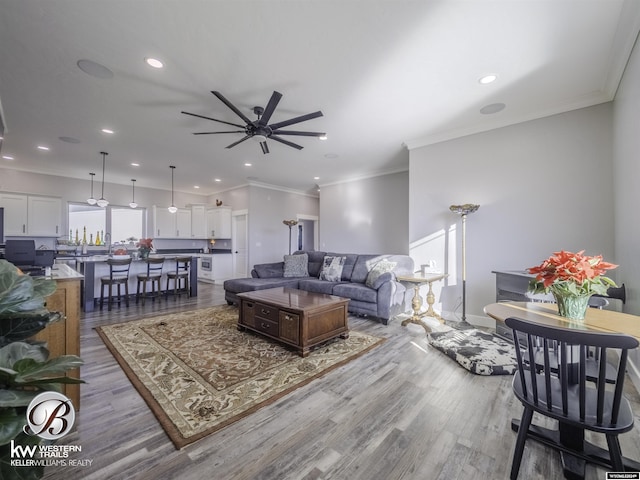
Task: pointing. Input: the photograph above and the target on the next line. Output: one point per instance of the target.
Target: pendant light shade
(172, 208)
(103, 202)
(91, 200)
(133, 203)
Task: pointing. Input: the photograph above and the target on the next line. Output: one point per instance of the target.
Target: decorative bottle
(98, 238)
(84, 235)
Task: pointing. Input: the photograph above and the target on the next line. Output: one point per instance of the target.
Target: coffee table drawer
(267, 326)
(266, 311)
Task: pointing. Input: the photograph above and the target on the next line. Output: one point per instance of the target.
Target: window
(121, 223)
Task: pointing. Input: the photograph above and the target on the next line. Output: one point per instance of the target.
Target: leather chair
(180, 276)
(118, 276)
(153, 275)
(565, 386)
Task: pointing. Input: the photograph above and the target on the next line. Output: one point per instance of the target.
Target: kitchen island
(95, 266)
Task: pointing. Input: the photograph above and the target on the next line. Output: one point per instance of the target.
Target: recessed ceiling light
(154, 62)
(316, 178)
(247, 164)
(8, 157)
(487, 79)
(492, 108)
(107, 130)
(196, 186)
(42, 147)
(134, 164)
(323, 137)
(217, 180)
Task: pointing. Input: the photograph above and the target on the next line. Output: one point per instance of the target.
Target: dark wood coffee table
(294, 317)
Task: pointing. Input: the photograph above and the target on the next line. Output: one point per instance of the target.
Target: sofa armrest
(384, 278)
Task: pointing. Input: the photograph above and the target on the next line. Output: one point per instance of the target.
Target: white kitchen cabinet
(171, 225)
(31, 215)
(219, 222)
(222, 267)
(44, 216)
(198, 221)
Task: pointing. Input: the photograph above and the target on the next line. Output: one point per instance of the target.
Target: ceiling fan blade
(214, 133)
(301, 134)
(286, 142)
(215, 120)
(302, 118)
(270, 108)
(265, 147)
(239, 141)
(232, 107)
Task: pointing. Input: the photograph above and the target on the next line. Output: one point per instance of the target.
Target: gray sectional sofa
(368, 281)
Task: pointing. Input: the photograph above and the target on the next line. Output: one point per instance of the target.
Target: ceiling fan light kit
(260, 130)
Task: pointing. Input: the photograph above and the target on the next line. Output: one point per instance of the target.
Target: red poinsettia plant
(573, 274)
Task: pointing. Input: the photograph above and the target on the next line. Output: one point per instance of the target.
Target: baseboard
(476, 320)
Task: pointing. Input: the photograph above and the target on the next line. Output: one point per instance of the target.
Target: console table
(416, 303)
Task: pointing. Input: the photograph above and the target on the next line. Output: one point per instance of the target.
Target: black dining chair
(118, 276)
(565, 386)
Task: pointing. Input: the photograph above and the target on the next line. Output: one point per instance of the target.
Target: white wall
(543, 186)
(366, 216)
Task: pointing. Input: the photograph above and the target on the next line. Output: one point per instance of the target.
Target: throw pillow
(296, 265)
(383, 266)
(332, 268)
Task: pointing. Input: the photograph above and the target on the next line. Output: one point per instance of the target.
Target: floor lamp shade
(463, 211)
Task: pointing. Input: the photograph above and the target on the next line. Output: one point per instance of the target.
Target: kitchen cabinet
(198, 221)
(219, 222)
(31, 215)
(171, 225)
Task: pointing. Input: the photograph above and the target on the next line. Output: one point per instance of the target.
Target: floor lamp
(290, 223)
(464, 210)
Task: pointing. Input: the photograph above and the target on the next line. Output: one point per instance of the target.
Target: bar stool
(118, 275)
(153, 275)
(180, 277)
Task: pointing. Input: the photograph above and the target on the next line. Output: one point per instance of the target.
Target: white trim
(365, 177)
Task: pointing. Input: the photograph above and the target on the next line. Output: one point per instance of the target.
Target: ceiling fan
(260, 129)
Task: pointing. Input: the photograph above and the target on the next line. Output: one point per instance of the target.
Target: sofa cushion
(316, 285)
(363, 264)
(269, 270)
(356, 291)
(347, 267)
(315, 262)
(383, 266)
(296, 265)
(332, 268)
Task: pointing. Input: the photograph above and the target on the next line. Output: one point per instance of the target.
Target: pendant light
(172, 208)
(133, 203)
(103, 202)
(91, 200)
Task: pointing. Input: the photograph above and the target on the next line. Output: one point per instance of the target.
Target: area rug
(198, 373)
(482, 353)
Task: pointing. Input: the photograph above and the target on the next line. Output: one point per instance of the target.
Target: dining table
(565, 436)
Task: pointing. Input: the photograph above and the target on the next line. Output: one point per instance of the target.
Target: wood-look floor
(402, 411)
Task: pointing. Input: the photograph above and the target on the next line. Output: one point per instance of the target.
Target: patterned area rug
(198, 373)
(479, 352)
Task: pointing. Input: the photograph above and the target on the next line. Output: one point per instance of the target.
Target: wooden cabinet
(219, 222)
(198, 221)
(31, 215)
(63, 337)
(171, 225)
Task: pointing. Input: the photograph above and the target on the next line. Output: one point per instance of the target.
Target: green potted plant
(25, 367)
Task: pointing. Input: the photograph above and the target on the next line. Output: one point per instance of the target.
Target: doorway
(307, 232)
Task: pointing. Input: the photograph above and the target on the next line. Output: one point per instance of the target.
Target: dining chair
(118, 276)
(180, 276)
(568, 389)
(152, 274)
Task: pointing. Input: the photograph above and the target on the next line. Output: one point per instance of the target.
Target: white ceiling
(386, 75)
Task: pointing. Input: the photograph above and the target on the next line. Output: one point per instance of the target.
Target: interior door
(240, 245)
